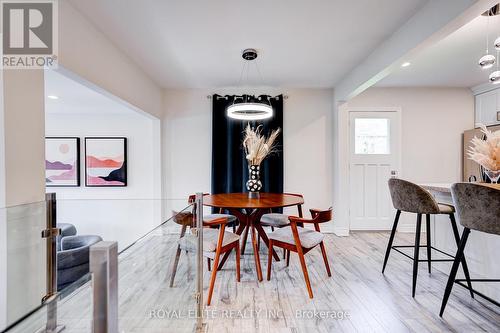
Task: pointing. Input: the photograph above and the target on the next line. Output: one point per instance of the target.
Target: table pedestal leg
(245, 237)
(249, 221)
(263, 235)
(256, 253)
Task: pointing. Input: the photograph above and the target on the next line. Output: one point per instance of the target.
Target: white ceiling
(76, 98)
(198, 44)
(451, 62)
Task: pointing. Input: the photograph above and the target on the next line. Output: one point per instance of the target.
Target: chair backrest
(186, 218)
(192, 198)
(478, 207)
(409, 197)
(321, 216)
(318, 216)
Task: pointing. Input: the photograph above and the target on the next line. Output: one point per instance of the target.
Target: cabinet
(488, 108)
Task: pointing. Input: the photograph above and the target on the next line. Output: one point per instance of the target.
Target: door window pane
(371, 136)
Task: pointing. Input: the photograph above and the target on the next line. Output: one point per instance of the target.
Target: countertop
(438, 187)
(446, 187)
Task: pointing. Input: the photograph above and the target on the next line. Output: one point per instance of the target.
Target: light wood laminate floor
(371, 301)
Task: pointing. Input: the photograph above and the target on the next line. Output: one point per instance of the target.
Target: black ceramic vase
(254, 184)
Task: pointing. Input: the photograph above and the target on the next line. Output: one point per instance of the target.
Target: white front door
(374, 157)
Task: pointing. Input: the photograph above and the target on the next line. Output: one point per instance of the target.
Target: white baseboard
(401, 228)
(341, 232)
(407, 228)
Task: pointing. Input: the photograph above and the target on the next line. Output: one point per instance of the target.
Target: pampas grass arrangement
(486, 152)
(257, 146)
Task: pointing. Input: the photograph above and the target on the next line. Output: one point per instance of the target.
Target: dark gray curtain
(229, 166)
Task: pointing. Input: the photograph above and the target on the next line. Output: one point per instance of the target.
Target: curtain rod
(210, 96)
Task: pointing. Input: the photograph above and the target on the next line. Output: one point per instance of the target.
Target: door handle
(394, 174)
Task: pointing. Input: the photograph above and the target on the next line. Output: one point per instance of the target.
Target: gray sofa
(67, 229)
(72, 255)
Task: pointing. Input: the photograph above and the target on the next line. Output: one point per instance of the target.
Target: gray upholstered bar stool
(411, 198)
(478, 209)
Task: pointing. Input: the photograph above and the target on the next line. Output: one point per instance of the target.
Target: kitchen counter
(481, 251)
(446, 187)
(438, 187)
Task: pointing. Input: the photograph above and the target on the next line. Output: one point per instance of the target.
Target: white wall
(3, 217)
(2, 145)
(433, 120)
(87, 52)
(88, 56)
(115, 213)
(307, 137)
(22, 251)
(24, 140)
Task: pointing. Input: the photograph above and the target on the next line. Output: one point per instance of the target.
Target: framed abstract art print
(105, 162)
(62, 161)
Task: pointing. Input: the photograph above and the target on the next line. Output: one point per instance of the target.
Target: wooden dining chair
(278, 220)
(301, 240)
(215, 242)
(232, 221)
(186, 222)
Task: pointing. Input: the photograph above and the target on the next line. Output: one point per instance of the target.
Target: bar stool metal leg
(391, 239)
(464, 262)
(415, 256)
(454, 269)
(428, 234)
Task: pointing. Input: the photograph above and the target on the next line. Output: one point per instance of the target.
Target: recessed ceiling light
(52, 97)
(405, 64)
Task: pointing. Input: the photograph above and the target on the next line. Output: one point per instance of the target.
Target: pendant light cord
(487, 34)
(261, 79)
(245, 71)
(497, 59)
(241, 74)
(248, 69)
(258, 72)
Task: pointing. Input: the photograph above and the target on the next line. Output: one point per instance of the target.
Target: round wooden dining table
(249, 211)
